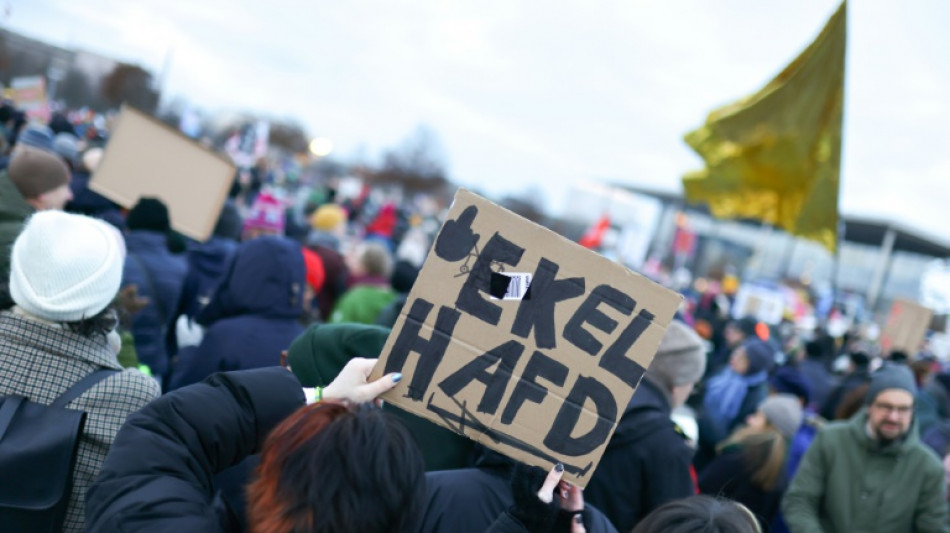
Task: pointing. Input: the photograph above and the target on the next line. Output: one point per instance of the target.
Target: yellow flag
(775, 155)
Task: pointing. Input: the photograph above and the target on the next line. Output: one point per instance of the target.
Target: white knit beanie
(65, 267)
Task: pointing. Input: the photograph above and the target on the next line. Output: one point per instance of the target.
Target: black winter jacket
(476, 500)
(647, 462)
(159, 473)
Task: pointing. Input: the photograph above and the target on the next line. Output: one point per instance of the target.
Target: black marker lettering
(538, 312)
(615, 358)
(430, 350)
(498, 250)
(588, 312)
(559, 437)
(528, 388)
(477, 370)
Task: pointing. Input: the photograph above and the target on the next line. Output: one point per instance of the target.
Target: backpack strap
(7, 410)
(82, 386)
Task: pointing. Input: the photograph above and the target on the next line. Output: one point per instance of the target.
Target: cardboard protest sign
(906, 327)
(522, 340)
(145, 157)
(29, 94)
(762, 303)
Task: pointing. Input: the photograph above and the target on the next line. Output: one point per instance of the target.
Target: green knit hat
(318, 355)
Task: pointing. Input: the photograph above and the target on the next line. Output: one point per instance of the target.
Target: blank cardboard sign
(144, 157)
(522, 340)
(906, 327)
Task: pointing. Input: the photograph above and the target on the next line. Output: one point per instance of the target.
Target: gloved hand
(535, 506)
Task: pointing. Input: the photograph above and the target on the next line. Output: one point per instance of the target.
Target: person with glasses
(871, 473)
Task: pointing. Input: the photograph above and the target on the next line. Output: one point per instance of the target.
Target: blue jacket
(207, 264)
(253, 314)
(158, 274)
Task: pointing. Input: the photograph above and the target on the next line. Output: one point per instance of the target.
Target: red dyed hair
(269, 509)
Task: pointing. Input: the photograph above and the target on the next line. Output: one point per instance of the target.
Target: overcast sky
(540, 95)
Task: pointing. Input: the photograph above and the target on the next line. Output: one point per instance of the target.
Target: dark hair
(699, 514)
(814, 350)
(330, 467)
(403, 276)
(149, 214)
(99, 324)
(852, 402)
(899, 356)
(860, 359)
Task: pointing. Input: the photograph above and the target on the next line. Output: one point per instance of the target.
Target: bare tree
(131, 84)
(417, 166)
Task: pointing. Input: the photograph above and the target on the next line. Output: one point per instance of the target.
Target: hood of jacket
(138, 241)
(265, 279)
(210, 259)
(648, 411)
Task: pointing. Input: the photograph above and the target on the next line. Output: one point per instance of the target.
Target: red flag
(593, 236)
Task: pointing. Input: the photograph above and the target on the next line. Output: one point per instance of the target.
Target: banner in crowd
(522, 340)
(29, 95)
(146, 158)
(248, 144)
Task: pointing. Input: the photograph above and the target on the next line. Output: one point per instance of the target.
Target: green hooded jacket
(13, 212)
(848, 482)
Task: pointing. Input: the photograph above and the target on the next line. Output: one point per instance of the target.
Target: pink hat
(266, 214)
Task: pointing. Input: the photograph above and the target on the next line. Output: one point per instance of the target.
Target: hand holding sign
(352, 383)
(457, 238)
(542, 380)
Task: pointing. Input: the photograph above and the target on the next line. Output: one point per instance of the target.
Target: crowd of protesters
(241, 398)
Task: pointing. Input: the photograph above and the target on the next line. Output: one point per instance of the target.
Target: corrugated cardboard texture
(543, 379)
(906, 327)
(144, 157)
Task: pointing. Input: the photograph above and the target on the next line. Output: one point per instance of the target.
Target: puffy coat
(158, 474)
(253, 315)
(647, 462)
(159, 275)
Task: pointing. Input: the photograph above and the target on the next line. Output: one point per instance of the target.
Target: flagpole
(835, 265)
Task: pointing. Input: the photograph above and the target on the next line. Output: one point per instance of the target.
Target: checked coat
(40, 360)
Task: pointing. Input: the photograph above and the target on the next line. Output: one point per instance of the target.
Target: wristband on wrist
(313, 394)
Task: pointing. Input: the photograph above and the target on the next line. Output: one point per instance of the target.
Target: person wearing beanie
(329, 227)
(850, 387)
(316, 277)
(871, 473)
(66, 145)
(265, 217)
(735, 392)
(65, 273)
(158, 276)
(648, 460)
(318, 355)
(35, 180)
(750, 467)
(254, 312)
(820, 381)
(36, 136)
(788, 380)
(734, 334)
